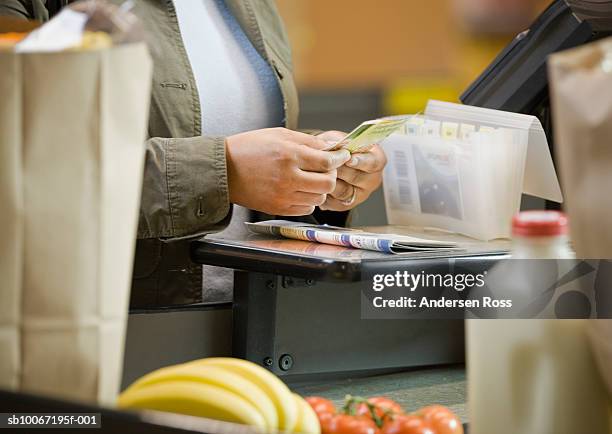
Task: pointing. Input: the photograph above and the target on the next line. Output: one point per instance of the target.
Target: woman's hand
(281, 172)
(357, 179)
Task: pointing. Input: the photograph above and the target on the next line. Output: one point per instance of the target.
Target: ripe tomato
(321, 405)
(407, 424)
(325, 420)
(347, 424)
(441, 419)
(383, 405)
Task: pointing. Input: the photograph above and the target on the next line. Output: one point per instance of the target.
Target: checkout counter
(299, 315)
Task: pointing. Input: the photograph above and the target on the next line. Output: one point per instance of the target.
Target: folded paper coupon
(369, 133)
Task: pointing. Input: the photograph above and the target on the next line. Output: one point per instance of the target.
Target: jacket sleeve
(185, 190)
(26, 9)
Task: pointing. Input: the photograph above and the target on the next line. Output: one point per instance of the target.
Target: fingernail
(353, 162)
(322, 207)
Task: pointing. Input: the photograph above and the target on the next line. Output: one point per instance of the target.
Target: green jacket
(185, 192)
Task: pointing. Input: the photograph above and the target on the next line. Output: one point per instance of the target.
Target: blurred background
(360, 59)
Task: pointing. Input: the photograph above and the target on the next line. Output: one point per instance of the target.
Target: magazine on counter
(347, 237)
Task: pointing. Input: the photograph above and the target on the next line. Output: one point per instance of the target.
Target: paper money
(367, 134)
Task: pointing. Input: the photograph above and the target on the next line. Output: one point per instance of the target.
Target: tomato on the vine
(348, 424)
(381, 415)
(407, 424)
(321, 405)
(441, 419)
(383, 407)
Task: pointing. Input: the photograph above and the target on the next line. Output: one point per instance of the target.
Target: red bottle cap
(539, 224)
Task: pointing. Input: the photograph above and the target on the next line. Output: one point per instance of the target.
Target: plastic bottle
(534, 376)
(540, 235)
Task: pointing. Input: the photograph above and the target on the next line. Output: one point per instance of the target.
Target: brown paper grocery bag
(600, 339)
(581, 97)
(72, 133)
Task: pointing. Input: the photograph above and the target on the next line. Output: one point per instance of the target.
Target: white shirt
(237, 88)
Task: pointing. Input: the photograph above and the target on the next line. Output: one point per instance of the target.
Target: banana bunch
(228, 389)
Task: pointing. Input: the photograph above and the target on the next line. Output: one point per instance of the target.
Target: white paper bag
(72, 133)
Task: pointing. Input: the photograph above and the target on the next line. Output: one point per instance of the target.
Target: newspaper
(369, 133)
(387, 243)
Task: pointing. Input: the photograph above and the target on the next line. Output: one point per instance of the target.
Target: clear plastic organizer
(463, 169)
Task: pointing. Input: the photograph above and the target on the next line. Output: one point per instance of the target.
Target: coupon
(369, 133)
